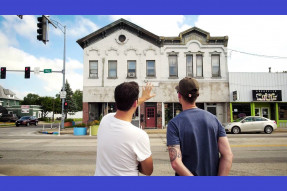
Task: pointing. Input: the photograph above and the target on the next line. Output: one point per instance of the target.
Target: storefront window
(241, 110)
(171, 110)
(282, 111)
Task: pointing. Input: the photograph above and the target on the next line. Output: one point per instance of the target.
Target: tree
(72, 105)
(47, 104)
(31, 99)
(78, 97)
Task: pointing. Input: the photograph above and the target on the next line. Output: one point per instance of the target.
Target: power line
(259, 55)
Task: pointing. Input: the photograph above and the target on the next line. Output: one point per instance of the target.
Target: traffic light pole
(63, 29)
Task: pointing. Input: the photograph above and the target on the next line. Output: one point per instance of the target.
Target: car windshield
(237, 120)
(24, 118)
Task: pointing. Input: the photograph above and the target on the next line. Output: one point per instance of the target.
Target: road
(24, 152)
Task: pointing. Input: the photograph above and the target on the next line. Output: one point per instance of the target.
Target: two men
(194, 137)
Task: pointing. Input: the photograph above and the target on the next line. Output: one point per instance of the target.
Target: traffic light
(3, 72)
(27, 72)
(42, 29)
(65, 105)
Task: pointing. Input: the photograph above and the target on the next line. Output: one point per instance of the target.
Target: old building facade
(123, 51)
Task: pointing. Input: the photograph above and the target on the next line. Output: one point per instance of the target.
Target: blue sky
(19, 47)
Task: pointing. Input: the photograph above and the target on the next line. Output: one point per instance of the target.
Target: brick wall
(85, 112)
(159, 115)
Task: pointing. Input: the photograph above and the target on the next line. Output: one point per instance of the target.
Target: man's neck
(124, 115)
(187, 106)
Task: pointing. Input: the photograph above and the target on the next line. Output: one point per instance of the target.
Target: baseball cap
(187, 87)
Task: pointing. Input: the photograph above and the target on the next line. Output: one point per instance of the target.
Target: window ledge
(199, 77)
(93, 77)
(216, 77)
(112, 77)
(131, 78)
(150, 77)
(173, 77)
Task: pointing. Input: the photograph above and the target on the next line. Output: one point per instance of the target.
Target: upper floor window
(215, 63)
(189, 65)
(93, 73)
(131, 68)
(173, 65)
(199, 66)
(112, 64)
(150, 71)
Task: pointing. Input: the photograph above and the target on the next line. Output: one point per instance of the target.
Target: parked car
(8, 118)
(251, 124)
(27, 120)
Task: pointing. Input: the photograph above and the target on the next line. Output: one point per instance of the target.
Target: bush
(80, 125)
(69, 120)
(46, 119)
(95, 122)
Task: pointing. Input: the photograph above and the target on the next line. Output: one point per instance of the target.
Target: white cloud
(78, 28)
(161, 25)
(16, 59)
(264, 35)
(26, 27)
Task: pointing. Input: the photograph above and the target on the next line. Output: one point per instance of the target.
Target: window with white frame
(199, 66)
(189, 66)
(112, 64)
(131, 68)
(215, 63)
(93, 73)
(150, 68)
(173, 65)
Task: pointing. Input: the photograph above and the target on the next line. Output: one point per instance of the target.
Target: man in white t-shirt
(124, 149)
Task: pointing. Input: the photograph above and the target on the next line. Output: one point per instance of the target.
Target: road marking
(258, 145)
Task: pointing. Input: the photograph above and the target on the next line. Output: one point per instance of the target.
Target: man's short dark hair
(126, 94)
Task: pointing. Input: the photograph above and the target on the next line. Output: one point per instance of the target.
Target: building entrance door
(265, 112)
(150, 117)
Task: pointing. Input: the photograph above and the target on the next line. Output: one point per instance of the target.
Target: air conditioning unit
(131, 74)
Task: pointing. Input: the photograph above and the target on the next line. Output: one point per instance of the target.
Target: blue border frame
(146, 7)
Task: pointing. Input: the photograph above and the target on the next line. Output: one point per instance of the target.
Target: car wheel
(235, 130)
(17, 125)
(28, 124)
(268, 129)
(36, 123)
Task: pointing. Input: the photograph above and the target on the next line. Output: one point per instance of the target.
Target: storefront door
(265, 112)
(150, 117)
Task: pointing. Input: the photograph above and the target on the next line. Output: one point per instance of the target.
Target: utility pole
(56, 24)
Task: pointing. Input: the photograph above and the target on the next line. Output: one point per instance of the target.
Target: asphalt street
(25, 152)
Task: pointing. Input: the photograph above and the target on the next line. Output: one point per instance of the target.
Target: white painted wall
(102, 89)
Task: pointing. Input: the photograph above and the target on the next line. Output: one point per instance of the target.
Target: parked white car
(251, 124)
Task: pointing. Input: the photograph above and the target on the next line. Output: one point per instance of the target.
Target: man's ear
(135, 104)
(178, 95)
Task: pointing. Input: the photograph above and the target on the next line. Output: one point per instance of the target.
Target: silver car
(251, 124)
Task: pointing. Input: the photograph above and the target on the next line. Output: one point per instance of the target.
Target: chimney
(269, 69)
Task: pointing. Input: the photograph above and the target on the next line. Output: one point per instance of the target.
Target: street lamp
(56, 24)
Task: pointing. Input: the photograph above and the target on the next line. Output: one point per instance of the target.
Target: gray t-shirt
(197, 132)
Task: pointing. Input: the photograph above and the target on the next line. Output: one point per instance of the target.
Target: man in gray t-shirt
(195, 137)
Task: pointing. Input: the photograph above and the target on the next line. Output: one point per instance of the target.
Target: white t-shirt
(121, 146)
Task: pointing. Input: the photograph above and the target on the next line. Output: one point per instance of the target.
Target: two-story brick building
(123, 51)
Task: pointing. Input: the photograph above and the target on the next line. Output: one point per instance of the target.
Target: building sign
(25, 108)
(267, 95)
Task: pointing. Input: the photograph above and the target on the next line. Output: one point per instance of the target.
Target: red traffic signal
(3, 72)
(27, 72)
(65, 105)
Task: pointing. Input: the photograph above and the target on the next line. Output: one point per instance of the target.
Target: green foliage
(31, 99)
(68, 120)
(95, 122)
(78, 98)
(80, 125)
